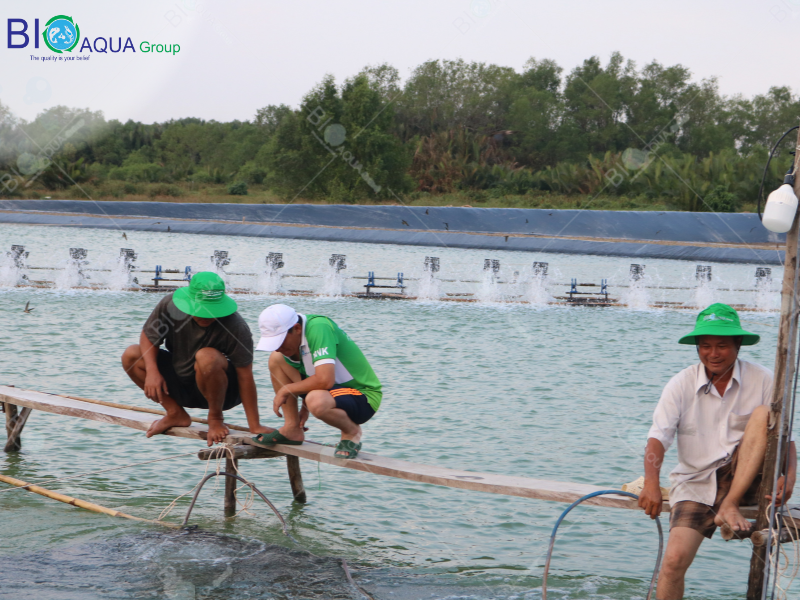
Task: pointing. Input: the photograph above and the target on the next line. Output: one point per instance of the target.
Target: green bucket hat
(205, 297)
(719, 319)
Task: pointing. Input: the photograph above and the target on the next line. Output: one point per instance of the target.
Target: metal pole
(776, 434)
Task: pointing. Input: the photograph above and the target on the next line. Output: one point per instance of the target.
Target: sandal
(272, 438)
(348, 446)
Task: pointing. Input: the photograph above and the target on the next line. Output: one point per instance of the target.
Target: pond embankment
(716, 237)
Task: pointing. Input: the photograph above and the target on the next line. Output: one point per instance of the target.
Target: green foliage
(251, 173)
(164, 189)
(720, 200)
(238, 189)
(137, 173)
(649, 133)
(339, 145)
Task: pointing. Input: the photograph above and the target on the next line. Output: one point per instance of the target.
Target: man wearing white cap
(313, 358)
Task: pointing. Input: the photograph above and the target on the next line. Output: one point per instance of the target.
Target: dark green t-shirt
(184, 337)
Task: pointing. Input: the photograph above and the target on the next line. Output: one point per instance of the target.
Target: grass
(259, 194)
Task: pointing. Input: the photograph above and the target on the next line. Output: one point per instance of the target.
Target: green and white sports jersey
(324, 343)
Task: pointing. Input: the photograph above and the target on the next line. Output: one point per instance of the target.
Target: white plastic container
(780, 209)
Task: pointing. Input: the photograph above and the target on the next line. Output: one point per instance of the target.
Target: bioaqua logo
(716, 317)
(61, 34)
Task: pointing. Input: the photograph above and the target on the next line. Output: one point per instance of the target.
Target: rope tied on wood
(778, 551)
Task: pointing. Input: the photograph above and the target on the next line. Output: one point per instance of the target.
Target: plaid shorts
(700, 517)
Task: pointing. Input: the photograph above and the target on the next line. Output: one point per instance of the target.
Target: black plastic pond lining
(635, 234)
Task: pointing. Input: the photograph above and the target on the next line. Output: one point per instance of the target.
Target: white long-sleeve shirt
(708, 426)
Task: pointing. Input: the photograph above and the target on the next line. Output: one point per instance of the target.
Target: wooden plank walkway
(539, 489)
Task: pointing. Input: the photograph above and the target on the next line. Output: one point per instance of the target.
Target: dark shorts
(700, 517)
(354, 403)
(184, 390)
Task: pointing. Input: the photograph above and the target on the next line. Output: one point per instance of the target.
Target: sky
(238, 56)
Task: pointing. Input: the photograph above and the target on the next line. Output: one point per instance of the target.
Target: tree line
(451, 126)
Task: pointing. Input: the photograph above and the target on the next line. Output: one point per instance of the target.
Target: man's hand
(281, 398)
(783, 486)
(155, 386)
(650, 499)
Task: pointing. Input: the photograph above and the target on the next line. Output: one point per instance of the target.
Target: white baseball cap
(274, 321)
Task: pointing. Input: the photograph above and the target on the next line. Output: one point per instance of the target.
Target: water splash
(703, 296)
(705, 290)
(269, 282)
(333, 278)
(218, 261)
(429, 284)
(332, 283)
(429, 287)
(637, 297)
(765, 298)
(70, 274)
(121, 276)
(537, 288)
(13, 268)
(489, 291)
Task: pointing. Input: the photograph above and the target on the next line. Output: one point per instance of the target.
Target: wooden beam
(757, 536)
(152, 411)
(105, 414)
(14, 441)
(296, 479)
(784, 371)
(538, 489)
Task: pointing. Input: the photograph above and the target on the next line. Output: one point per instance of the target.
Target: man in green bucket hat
(207, 363)
(719, 410)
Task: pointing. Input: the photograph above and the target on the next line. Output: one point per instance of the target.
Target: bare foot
(217, 432)
(181, 419)
(729, 513)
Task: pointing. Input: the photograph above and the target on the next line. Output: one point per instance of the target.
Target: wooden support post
(231, 465)
(296, 479)
(14, 424)
(11, 415)
(784, 371)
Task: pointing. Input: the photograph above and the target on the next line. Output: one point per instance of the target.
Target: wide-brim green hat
(205, 297)
(719, 319)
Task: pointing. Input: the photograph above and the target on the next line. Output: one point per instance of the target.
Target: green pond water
(550, 392)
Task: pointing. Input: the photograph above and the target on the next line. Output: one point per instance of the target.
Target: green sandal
(272, 438)
(347, 446)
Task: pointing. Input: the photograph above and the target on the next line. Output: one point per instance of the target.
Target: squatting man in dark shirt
(208, 361)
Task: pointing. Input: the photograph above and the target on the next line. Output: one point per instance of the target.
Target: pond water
(529, 389)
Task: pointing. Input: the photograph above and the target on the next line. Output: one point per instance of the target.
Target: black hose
(573, 505)
(766, 168)
(244, 481)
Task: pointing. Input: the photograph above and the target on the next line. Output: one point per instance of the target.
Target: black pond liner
(453, 227)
